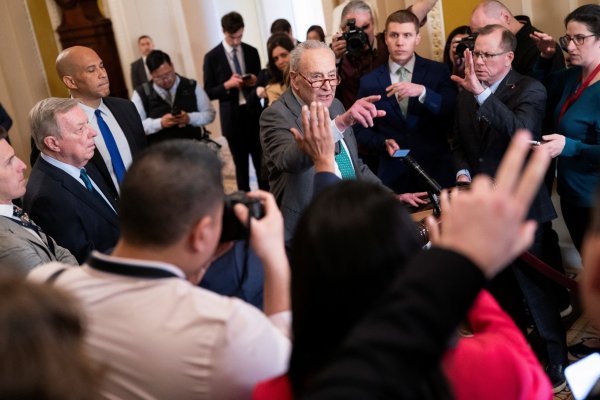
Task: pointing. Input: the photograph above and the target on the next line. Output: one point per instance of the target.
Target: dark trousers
(577, 220)
(244, 142)
(540, 295)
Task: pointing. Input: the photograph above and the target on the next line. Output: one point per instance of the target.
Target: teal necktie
(403, 72)
(345, 164)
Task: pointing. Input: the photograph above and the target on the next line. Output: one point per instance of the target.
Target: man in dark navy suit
(139, 71)
(418, 98)
(122, 134)
(230, 71)
(65, 195)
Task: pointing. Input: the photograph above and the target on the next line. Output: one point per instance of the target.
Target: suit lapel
(20, 232)
(80, 192)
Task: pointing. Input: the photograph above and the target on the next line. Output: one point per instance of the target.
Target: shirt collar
(494, 86)
(409, 66)
(140, 263)
(89, 111)
(6, 210)
(228, 48)
(68, 168)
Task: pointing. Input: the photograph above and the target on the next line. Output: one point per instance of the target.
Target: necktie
(25, 222)
(168, 97)
(403, 72)
(90, 187)
(236, 62)
(345, 164)
(111, 145)
(86, 180)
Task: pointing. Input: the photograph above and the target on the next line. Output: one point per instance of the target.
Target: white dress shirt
(117, 133)
(204, 116)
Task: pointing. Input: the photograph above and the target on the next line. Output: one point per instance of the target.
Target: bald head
(491, 12)
(82, 71)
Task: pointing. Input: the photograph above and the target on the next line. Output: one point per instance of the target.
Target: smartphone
(175, 111)
(246, 77)
(583, 375)
(400, 153)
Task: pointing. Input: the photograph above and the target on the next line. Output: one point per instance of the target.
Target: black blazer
(129, 120)
(482, 134)
(77, 219)
(138, 73)
(216, 72)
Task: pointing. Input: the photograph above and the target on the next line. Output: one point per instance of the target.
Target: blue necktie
(90, 187)
(345, 164)
(86, 180)
(111, 145)
(236, 62)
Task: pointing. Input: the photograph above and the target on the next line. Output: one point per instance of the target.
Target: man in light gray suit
(313, 78)
(22, 245)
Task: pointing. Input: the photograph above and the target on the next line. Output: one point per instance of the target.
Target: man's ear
(201, 236)
(590, 283)
(51, 143)
(69, 82)
(418, 39)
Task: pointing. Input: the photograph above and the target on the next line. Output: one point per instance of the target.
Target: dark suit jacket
(425, 130)
(138, 73)
(482, 133)
(216, 72)
(77, 219)
(129, 120)
(290, 170)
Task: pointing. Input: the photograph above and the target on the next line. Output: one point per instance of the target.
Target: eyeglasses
(485, 56)
(577, 39)
(319, 83)
(164, 77)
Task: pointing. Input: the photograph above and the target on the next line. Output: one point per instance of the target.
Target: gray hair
(296, 54)
(42, 118)
(357, 6)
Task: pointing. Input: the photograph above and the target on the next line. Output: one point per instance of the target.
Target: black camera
(233, 229)
(466, 43)
(356, 39)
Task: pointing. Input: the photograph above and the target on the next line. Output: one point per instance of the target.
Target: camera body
(466, 43)
(356, 39)
(232, 228)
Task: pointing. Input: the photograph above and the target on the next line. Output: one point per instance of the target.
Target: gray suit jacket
(20, 251)
(290, 170)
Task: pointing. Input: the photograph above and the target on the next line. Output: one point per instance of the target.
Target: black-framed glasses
(486, 56)
(577, 39)
(319, 83)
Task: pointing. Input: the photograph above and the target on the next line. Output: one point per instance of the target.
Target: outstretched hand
(317, 141)
(470, 82)
(363, 111)
(545, 44)
(487, 223)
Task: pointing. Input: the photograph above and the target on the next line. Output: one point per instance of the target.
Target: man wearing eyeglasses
(313, 78)
(495, 102)
(171, 106)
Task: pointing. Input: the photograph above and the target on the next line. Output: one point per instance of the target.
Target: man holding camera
(171, 106)
(158, 334)
(358, 49)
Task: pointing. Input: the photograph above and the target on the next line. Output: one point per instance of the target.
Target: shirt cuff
(423, 95)
(337, 134)
(463, 172)
(481, 97)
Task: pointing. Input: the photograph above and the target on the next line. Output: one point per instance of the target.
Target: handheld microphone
(434, 187)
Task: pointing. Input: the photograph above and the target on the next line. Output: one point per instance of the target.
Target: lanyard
(573, 97)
